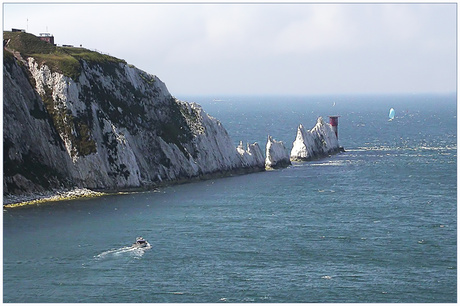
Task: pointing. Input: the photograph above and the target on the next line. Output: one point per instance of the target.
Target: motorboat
(140, 243)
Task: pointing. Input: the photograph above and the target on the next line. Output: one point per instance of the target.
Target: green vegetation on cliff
(65, 60)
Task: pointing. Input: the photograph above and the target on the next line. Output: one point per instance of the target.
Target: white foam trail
(415, 148)
(134, 250)
(331, 163)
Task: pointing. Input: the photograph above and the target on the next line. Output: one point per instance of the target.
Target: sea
(374, 224)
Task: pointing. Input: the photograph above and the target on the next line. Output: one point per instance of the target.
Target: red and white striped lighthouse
(334, 121)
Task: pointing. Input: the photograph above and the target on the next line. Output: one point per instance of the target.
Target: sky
(263, 48)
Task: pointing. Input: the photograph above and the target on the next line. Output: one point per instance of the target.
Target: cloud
(320, 28)
(265, 48)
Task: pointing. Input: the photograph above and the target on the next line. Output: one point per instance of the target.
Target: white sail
(391, 114)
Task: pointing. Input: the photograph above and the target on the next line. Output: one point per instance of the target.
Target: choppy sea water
(377, 223)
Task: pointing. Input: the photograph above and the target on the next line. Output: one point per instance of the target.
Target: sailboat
(391, 115)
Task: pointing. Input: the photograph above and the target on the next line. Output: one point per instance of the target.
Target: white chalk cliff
(276, 154)
(74, 118)
(108, 126)
(312, 144)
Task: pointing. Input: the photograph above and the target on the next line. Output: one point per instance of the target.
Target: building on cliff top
(47, 37)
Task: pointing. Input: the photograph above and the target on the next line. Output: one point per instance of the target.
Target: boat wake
(132, 250)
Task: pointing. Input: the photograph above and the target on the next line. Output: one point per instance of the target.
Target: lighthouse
(334, 122)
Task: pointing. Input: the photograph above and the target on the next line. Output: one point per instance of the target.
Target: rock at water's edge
(276, 154)
(318, 142)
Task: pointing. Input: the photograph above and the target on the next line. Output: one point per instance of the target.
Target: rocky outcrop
(252, 156)
(106, 125)
(318, 142)
(276, 154)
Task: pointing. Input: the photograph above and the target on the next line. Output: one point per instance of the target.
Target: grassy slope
(62, 59)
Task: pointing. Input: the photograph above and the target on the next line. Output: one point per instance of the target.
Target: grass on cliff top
(65, 60)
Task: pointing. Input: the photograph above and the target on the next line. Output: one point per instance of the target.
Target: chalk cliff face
(276, 154)
(107, 126)
(316, 143)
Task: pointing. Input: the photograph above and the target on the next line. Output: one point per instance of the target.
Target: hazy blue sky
(264, 48)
